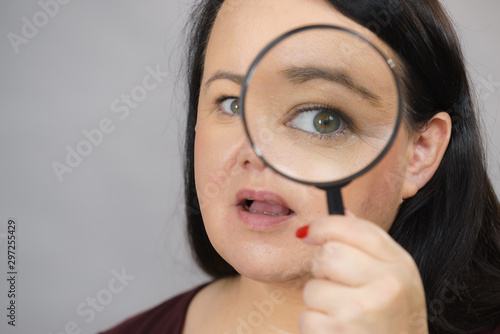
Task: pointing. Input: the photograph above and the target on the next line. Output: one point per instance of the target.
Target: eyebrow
(298, 75)
(236, 78)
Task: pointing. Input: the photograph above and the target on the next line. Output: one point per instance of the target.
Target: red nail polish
(302, 232)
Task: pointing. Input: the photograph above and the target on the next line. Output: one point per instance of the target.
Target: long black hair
(451, 227)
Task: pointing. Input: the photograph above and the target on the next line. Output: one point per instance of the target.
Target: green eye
(235, 106)
(327, 122)
(231, 105)
(318, 121)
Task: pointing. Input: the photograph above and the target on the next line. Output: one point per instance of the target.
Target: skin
(348, 275)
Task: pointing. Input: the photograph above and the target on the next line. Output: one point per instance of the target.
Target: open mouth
(268, 208)
(262, 210)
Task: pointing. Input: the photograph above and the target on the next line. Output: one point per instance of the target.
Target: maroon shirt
(169, 317)
(166, 318)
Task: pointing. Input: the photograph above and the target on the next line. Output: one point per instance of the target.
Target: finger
(327, 297)
(359, 307)
(345, 264)
(361, 234)
(313, 322)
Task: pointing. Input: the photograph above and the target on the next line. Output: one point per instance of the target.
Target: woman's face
(235, 188)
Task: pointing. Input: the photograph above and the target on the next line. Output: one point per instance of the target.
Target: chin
(273, 276)
(264, 265)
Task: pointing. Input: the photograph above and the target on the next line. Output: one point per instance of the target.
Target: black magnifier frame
(332, 188)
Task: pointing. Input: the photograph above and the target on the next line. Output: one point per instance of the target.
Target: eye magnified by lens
(324, 95)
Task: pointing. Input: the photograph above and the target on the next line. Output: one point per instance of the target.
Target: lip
(260, 221)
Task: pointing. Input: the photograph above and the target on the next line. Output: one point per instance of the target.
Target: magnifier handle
(335, 205)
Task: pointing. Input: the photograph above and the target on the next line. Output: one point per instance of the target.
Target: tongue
(267, 207)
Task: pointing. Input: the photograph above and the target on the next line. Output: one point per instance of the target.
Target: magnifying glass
(321, 105)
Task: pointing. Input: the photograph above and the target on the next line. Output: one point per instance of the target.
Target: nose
(247, 158)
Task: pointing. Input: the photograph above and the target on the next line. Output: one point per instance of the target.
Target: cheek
(215, 150)
(202, 160)
(208, 162)
(376, 195)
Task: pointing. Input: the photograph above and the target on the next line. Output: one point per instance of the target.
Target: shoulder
(491, 330)
(168, 317)
(495, 330)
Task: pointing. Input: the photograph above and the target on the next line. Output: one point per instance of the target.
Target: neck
(263, 307)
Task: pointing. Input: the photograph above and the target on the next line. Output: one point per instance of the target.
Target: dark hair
(451, 227)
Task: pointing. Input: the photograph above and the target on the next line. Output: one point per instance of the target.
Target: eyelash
(349, 126)
(337, 111)
(217, 101)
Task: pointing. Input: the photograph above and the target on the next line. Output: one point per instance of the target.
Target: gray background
(121, 208)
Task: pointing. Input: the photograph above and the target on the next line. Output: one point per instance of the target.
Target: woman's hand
(363, 281)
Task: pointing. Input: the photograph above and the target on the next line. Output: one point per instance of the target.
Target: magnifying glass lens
(321, 105)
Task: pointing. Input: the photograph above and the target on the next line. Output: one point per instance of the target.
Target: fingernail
(302, 232)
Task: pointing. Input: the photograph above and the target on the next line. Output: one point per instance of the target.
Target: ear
(426, 152)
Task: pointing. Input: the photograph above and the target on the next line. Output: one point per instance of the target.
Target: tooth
(267, 213)
(273, 214)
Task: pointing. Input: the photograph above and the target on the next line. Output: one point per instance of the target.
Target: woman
(438, 272)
